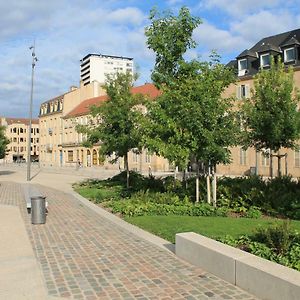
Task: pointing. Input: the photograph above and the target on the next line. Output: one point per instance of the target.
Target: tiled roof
(83, 108)
(246, 53)
(11, 121)
(275, 43)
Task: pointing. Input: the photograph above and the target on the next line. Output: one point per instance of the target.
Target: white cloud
(239, 8)
(127, 15)
(263, 24)
(211, 38)
(70, 34)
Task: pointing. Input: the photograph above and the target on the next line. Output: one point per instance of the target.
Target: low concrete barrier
(263, 278)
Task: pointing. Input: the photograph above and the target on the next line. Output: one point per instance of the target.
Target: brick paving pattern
(85, 256)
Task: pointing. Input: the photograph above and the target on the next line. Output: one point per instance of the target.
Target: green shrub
(253, 213)
(289, 258)
(278, 237)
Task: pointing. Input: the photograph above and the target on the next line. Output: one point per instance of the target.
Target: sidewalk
(20, 276)
(83, 254)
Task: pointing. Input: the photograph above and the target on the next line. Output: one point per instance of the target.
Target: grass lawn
(167, 226)
(99, 194)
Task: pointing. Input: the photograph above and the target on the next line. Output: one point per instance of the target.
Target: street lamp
(34, 60)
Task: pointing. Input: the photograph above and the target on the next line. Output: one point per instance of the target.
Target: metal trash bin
(38, 210)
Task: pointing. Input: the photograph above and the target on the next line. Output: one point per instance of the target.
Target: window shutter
(238, 92)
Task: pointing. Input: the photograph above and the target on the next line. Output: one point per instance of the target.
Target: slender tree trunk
(208, 189)
(127, 169)
(197, 189)
(197, 184)
(279, 165)
(271, 163)
(214, 186)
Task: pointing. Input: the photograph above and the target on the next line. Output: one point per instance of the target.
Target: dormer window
(243, 65)
(289, 54)
(265, 60)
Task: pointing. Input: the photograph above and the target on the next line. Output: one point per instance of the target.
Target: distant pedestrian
(150, 170)
(78, 165)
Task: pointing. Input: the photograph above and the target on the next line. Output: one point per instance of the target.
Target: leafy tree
(115, 122)
(272, 120)
(190, 118)
(169, 37)
(3, 142)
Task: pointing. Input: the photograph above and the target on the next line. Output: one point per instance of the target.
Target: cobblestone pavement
(85, 256)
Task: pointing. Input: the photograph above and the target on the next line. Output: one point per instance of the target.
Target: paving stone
(85, 256)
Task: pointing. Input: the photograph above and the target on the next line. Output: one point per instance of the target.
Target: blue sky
(66, 30)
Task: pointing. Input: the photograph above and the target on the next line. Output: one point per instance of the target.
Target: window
(243, 64)
(148, 157)
(243, 156)
(289, 54)
(243, 91)
(135, 157)
(70, 155)
(265, 60)
(265, 158)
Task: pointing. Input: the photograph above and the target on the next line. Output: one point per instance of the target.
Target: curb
(163, 244)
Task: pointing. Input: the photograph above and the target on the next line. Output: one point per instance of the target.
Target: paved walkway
(84, 255)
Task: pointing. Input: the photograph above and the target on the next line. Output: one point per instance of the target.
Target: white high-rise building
(98, 66)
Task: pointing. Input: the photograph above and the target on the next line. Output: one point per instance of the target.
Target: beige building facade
(74, 152)
(247, 64)
(53, 130)
(16, 130)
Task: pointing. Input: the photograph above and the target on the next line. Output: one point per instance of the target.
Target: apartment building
(74, 151)
(52, 127)
(248, 63)
(99, 66)
(16, 130)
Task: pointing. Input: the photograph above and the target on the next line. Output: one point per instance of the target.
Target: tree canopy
(114, 122)
(3, 142)
(272, 119)
(190, 118)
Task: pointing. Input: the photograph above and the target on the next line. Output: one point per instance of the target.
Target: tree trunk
(127, 169)
(197, 189)
(208, 189)
(214, 186)
(279, 165)
(271, 163)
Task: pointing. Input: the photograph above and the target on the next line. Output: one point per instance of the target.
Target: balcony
(49, 147)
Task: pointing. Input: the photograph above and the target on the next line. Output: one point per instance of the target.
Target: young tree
(3, 142)
(272, 120)
(190, 118)
(116, 120)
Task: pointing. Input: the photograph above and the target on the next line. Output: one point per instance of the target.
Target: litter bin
(38, 210)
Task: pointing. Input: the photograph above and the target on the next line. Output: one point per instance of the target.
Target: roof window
(289, 54)
(265, 60)
(243, 66)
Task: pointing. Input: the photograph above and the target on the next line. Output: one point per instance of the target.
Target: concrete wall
(265, 279)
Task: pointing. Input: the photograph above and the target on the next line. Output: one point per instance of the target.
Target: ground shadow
(37, 173)
(6, 172)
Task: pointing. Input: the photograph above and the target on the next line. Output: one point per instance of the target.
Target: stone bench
(258, 276)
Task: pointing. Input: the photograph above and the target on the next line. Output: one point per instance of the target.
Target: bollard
(38, 210)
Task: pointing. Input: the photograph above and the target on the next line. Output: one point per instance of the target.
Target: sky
(65, 31)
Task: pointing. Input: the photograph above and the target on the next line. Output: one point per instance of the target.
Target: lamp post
(34, 60)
